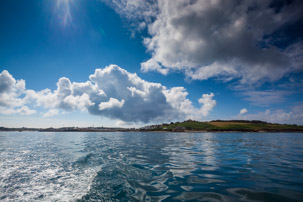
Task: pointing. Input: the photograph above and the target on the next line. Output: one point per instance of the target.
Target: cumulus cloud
(12, 92)
(243, 40)
(292, 116)
(68, 96)
(131, 99)
(207, 103)
(177, 96)
(7, 82)
(243, 111)
(111, 103)
(114, 93)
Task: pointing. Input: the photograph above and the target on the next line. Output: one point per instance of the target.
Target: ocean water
(151, 166)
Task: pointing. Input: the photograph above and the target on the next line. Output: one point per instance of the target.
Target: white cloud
(44, 98)
(152, 65)
(78, 102)
(114, 93)
(213, 38)
(111, 103)
(68, 96)
(213, 70)
(24, 110)
(11, 95)
(204, 40)
(10, 90)
(51, 112)
(117, 94)
(7, 82)
(243, 111)
(207, 103)
(292, 116)
(131, 99)
(177, 97)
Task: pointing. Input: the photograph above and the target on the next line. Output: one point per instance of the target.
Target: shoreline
(153, 131)
(188, 126)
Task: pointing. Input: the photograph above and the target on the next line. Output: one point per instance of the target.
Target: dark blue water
(151, 166)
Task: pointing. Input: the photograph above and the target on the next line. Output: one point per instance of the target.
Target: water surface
(151, 166)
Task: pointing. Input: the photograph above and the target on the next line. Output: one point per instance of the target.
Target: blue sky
(132, 63)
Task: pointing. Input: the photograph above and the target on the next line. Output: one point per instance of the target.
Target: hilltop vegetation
(219, 125)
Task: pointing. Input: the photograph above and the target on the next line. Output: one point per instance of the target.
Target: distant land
(224, 126)
(185, 126)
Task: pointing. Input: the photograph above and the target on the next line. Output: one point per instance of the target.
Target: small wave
(83, 161)
(202, 196)
(253, 195)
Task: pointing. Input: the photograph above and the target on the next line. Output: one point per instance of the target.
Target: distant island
(185, 126)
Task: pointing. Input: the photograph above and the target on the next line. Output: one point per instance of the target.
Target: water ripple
(151, 167)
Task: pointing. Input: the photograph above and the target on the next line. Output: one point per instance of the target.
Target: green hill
(219, 125)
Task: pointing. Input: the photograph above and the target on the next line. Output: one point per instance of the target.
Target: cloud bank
(250, 41)
(110, 92)
(117, 94)
(292, 116)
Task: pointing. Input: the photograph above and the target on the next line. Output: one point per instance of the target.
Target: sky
(130, 63)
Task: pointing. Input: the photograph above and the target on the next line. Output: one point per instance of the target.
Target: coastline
(155, 131)
(188, 126)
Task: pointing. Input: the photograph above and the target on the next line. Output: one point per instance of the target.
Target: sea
(150, 166)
